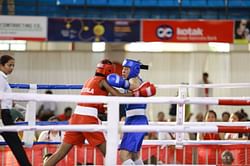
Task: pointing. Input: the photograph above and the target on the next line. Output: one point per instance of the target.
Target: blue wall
(169, 9)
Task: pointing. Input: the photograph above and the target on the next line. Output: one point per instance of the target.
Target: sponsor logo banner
(75, 29)
(187, 31)
(23, 28)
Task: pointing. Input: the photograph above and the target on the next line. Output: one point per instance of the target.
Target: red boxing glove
(145, 90)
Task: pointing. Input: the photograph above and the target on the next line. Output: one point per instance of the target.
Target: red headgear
(105, 67)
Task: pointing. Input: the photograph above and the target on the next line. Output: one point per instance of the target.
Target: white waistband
(134, 112)
(90, 111)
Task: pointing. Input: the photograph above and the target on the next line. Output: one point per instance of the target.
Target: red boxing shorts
(77, 138)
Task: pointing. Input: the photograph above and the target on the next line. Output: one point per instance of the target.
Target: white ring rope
(200, 123)
(195, 142)
(90, 128)
(161, 86)
(121, 100)
(128, 128)
(225, 85)
(170, 124)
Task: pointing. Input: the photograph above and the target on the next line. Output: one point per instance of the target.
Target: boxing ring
(112, 127)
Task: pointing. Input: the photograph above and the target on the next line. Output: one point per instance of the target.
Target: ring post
(180, 116)
(112, 133)
(30, 117)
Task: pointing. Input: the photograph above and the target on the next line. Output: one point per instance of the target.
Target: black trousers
(12, 139)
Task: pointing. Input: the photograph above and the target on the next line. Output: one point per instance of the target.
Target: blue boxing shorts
(132, 142)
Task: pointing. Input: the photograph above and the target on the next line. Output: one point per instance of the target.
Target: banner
(241, 31)
(76, 29)
(23, 28)
(187, 31)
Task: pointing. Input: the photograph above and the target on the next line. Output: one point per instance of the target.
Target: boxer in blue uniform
(135, 113)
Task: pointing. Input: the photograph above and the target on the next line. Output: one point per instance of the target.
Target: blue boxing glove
(117, 81)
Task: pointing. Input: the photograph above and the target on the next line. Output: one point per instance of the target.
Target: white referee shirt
(5, 87)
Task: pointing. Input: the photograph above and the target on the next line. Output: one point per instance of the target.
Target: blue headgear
(134, 67)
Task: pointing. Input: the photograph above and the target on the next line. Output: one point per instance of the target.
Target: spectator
(161, 117)
(47, 109)
(172, 110)
(66, 115)
(244, 114)
(51, 135)
(225, 116)
(209, 117)
(16, 114)
(170, 136)
(202, 92)
(227, 158)
(198, 118)
(11, 7)
(205, 92)
(151, 136)
(235, 117)
(154, 135)
(244, 119)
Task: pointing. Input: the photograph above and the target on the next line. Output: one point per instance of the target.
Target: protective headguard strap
(134, 67)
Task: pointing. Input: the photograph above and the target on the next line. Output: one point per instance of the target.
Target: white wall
(165, 68)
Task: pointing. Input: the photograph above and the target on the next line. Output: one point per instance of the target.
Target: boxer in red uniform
(86, 113)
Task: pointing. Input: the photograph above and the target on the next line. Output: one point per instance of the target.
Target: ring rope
(124, 100)
(164, 143)
(161, 86)
(195, 142)
(134, 128)
(113, 105)
(46, 86)
(169, 124)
